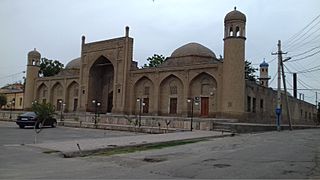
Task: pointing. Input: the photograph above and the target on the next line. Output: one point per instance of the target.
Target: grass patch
(132, 149)
(50, 151)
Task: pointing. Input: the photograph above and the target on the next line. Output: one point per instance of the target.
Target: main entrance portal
(101, 86)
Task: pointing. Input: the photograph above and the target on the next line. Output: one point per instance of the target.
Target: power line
(305, 52)
(310, 55)
(293, 40)
(297, 43)
(11, 75)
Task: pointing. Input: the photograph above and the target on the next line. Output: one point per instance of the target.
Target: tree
(43, 111)
(3, 100)
(249, 71)
(49, 67)
(155, 60)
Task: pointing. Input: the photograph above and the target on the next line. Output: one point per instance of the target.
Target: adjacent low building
(14, 94)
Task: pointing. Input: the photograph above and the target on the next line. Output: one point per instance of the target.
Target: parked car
(30, 119)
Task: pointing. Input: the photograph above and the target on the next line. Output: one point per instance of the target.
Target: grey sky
(55, 28)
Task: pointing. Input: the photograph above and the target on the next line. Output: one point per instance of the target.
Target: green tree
(49, 67)
(3, 100)
(250, 71)
(155, 60)
(43, 111)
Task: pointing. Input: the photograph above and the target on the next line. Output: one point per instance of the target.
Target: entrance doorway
(146, 105)
(173, 105)
(75, 104)
(110, 99)
(204, 106)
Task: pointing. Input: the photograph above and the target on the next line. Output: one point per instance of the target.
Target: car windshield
(32, 114)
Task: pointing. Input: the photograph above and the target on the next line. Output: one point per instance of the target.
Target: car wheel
(54, 124)
(21, 126)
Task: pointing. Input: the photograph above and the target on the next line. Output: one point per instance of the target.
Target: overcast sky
(55, 28)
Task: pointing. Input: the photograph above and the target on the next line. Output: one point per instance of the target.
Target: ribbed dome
(235, 15)
(34, 53)
(193, 49)
(264, 64)
(74, 64)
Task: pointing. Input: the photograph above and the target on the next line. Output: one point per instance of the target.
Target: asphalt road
(283, 154)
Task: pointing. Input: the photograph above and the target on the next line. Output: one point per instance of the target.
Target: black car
(30, 119)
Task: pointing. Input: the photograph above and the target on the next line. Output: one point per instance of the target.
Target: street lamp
(190, 100)
(11, 104)
(141, 104)
(96, 105)
(62, 105)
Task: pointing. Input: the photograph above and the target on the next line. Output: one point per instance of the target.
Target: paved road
(284, 154)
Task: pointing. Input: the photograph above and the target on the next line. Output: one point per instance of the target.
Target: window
(231, 31)
(146, 90)
(261, 104)
(237, 31)
(45, 93)
(75, 92)
(20, 102)
(248, 104)
(253, 104)
(59, 91)
(173, 90)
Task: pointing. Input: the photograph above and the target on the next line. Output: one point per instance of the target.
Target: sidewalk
(89, 146)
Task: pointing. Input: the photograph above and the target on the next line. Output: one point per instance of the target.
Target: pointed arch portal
(101, 78)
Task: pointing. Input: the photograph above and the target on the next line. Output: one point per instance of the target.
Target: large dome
(235, 15)
(193, 49)
(74, 64)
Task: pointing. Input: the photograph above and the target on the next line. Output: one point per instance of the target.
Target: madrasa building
(191, 79)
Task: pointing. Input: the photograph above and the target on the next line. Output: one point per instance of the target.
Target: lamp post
(190, 100)
(96, 105)
(62, 105)
(11, 104)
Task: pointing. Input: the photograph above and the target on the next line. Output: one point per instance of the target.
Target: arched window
(205, 86)
(231, 31)
(237, 31)
(173, 87)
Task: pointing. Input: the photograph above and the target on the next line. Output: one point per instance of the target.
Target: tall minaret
(264, 77)
(33, 67)
(233, 97)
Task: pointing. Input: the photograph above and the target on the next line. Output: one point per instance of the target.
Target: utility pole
(316, 98)
(280, 67)
(295, 85)
(286, 93)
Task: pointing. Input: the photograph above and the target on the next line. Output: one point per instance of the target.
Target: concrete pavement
(84, 147)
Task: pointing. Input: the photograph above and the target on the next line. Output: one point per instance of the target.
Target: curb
(81, 153)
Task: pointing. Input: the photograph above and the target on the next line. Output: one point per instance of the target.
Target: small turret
(264, 77)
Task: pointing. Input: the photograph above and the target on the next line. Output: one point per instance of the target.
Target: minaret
(33, 67)
(233, 97)
(264, 77)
